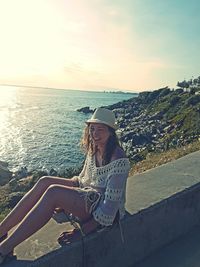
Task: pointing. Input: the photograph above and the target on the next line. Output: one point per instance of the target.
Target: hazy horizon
(112, 90)
(98, 45)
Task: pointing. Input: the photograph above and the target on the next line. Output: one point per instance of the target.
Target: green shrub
(193, 100)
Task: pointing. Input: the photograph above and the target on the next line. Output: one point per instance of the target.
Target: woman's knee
(53, 189)
(52, 193)
(44, 182)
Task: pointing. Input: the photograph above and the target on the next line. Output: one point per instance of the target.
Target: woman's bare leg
(29, 200)
(56, 195)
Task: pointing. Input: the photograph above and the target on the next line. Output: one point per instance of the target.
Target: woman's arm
(78, 179)
(107, 210)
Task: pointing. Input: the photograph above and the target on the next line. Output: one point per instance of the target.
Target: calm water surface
(40, 128)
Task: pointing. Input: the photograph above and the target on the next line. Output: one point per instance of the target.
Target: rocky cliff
(157, 121)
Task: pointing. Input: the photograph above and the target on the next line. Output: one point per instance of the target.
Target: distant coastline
(120, 92)
(53, 88)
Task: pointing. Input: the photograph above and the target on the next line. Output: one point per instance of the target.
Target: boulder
(4, 164)
(53, 172)
(13, 199)
(13, 182)
(137, 157)
(85, 110)
(5, 174)
(21, 173)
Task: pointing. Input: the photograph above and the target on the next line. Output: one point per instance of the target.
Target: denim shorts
(91, 198)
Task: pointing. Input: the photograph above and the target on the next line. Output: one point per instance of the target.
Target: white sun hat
(105, 116)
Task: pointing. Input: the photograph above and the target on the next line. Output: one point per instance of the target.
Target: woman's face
(99, 133)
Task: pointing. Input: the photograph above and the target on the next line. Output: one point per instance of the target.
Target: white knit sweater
(110, 181)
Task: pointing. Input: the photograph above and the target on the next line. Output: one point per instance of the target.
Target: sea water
(41, 128)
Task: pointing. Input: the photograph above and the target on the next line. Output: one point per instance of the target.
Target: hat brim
(115, 127)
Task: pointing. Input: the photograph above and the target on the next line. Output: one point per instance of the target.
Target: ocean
(41, 129)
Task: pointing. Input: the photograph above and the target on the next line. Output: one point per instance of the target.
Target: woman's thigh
(46, 181)
(68, 198)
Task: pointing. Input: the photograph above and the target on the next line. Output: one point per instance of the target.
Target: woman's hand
(69, 237)
(75, 234)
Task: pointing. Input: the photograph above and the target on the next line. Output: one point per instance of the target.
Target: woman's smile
(99, 133)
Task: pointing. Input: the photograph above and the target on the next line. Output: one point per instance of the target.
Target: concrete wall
(144, 232)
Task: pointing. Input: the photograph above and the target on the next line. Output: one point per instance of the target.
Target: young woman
(95, 196)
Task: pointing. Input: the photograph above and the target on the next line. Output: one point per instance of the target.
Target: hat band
(114, 126)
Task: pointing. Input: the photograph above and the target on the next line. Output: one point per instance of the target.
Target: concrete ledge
(151, 222)
(144, 233)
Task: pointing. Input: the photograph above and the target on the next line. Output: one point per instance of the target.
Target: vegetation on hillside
(156, 159)
(193, 83)
(158, 121)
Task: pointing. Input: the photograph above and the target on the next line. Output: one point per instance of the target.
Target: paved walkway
(42, 242)
(156, 184)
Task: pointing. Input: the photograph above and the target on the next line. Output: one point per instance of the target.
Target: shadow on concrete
(183, 252)
(17, 263)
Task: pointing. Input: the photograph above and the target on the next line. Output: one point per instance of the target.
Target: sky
(131, 45)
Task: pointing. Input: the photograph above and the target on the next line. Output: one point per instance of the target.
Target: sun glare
(7, 102)
(7, 97)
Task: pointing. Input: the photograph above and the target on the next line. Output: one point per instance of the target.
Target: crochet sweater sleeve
(115, 189)
(80, 177)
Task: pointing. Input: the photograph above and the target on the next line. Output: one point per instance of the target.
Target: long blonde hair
(88, 146)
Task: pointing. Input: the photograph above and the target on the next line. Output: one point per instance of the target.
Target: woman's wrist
(90, 226)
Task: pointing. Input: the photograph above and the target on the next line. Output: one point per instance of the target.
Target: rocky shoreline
(152, 121)
(157, 121)
(13, 186)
